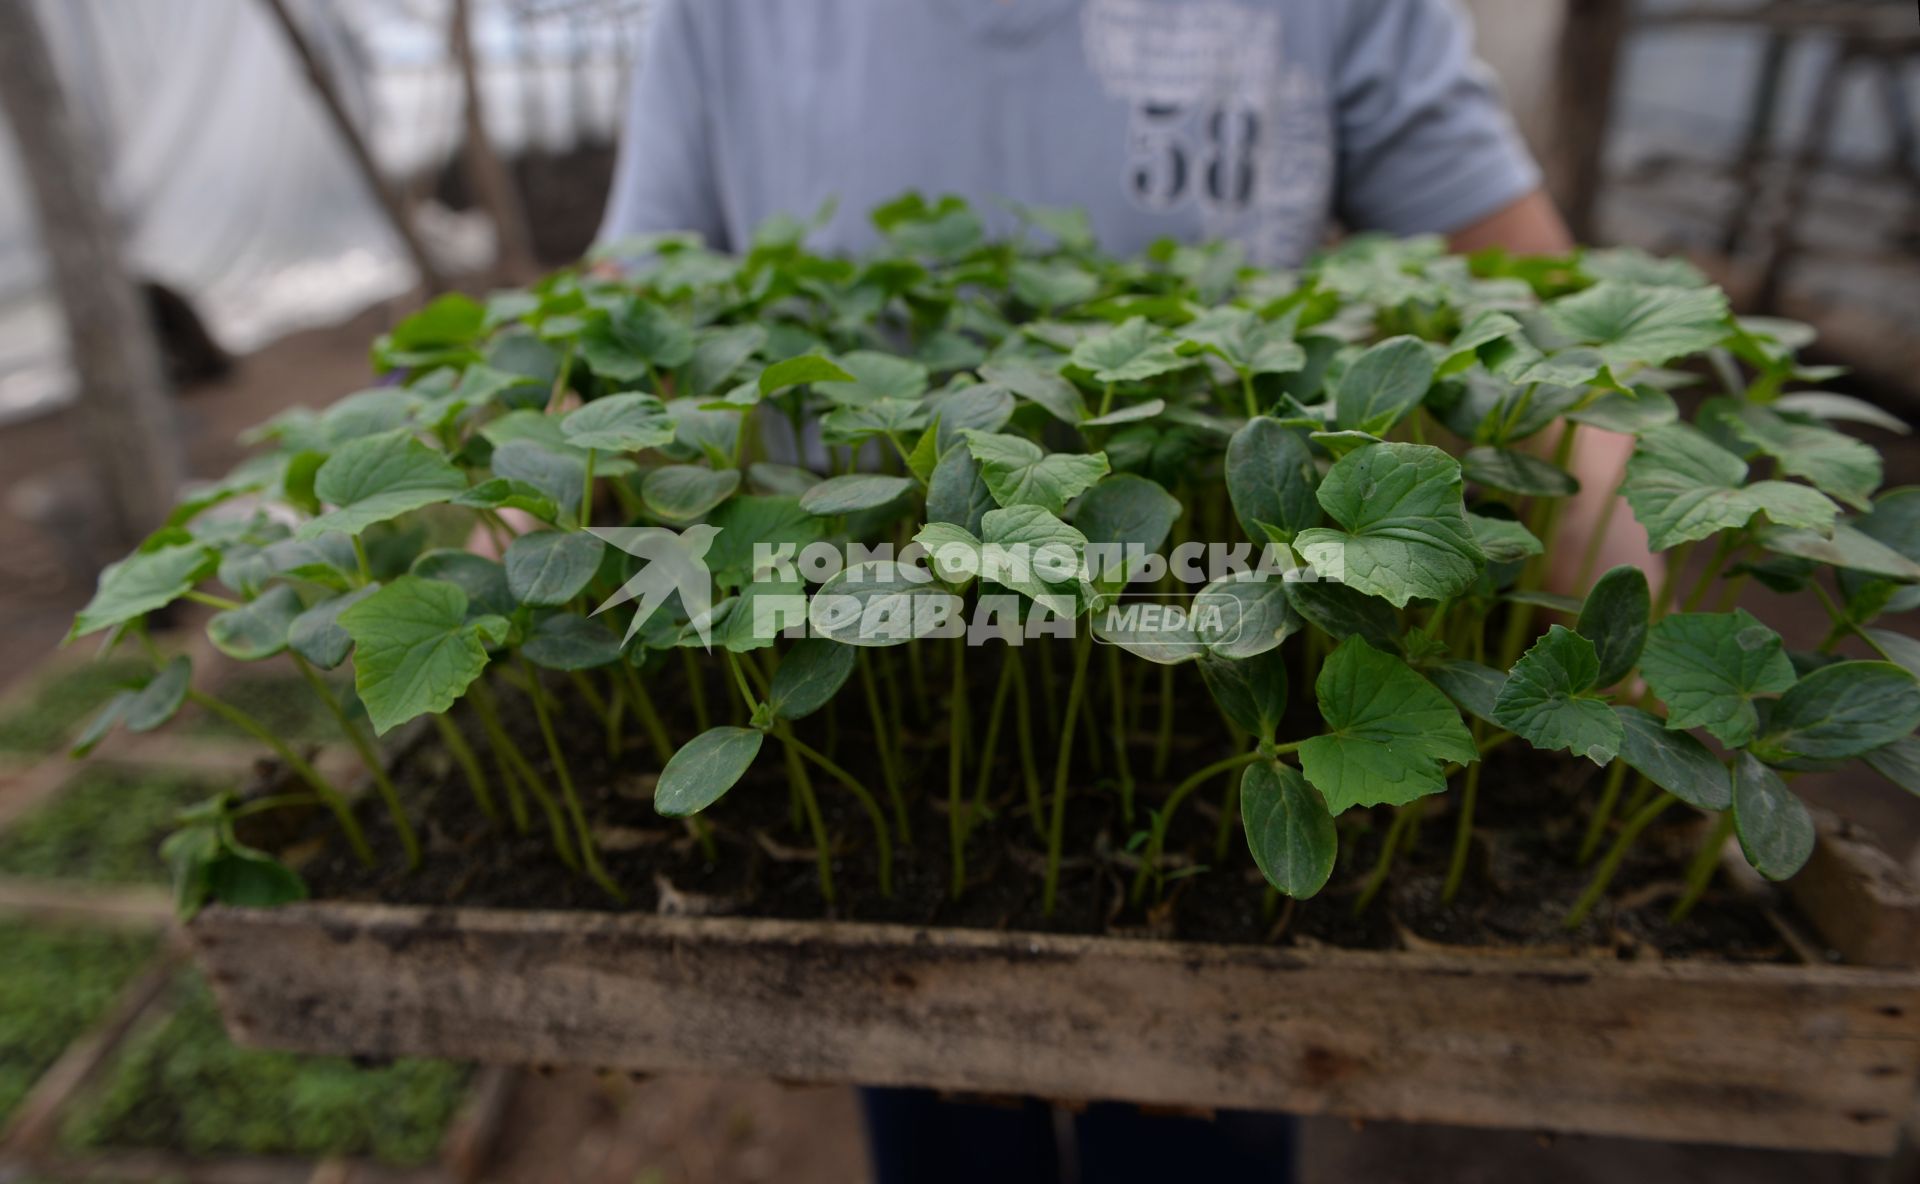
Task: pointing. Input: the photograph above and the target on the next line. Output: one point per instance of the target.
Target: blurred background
(286, 178)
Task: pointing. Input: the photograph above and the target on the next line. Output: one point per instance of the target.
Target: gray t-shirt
(1254, 120)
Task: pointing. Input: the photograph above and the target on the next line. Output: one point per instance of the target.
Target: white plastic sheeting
(231, 185)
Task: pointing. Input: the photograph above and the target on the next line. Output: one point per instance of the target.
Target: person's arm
(1428, 147)
(664, 177)
(1529, 226)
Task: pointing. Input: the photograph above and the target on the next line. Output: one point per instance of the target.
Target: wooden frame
(1814, 1058)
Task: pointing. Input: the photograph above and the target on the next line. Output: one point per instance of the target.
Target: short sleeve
(663, 175)
(1425, 142)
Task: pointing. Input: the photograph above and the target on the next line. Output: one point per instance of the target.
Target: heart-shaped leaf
(1682, 487)
(620, 423)
(143, 582)
(380, 477)
(1033, 381)
(1390, 731)
(1511, 471)
(1132, 351)
(258, 629)
(1544, 699)
(1635, 324)
(1406, 532)
(1708, 667)
(316, 634)
(416, 651)
(565, 641)
(1018, 472)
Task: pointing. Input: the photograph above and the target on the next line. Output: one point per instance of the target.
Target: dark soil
(1522, 877)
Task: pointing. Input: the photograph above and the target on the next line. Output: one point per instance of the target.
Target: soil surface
(1522, 877)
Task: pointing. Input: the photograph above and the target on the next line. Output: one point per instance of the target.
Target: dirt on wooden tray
(1523, 871)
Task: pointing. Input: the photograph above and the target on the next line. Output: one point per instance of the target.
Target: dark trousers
(915, 1136)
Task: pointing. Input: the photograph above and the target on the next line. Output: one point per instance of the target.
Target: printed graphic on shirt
(1217, 118)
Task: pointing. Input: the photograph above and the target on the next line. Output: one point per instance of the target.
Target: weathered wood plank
(1770, 1056)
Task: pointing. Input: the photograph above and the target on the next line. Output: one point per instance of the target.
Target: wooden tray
(1805, 1057)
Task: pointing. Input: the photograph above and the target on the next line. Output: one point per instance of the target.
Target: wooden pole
(492, 185)
(124, 413)
(390, 202)
(1589, 60)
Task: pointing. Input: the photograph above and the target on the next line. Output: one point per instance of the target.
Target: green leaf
(1271, 477)
(551, 567)
(856, 491)
(566, 641)
(619, 423)
(1289, 830)
(1502, 540)
(158, 701)
(635, 342)
(1845, 547)
(1133, 413)
(1674, 761)
(143, 582)
(1253, 612)
(316, 634)
(1238, 337)
(1615, 618)
(1132, 351)
(555, 473)
(258, 629)
(416, 651)
(1383, 385)
(1406, 532)
(704, 769)
(1390, 731)
(1018, 472)
(1707, 668)
(1543, 700)
(499, 493)
(956, 493)
(1252, 692)
(878, 604)
(1840, 711)
(878, 377)
(483, 580)
(1511, 471)
(1034, 382)
(983, 407)
(1846, 408)
(1631, 414)
(682, 493)
(1776, 832)
(1830, 461)
(1049, 285)
(1633, 324)
(806, 368)
(1682, 487)
(1045, 556)
(718, 354)
(1474, 687)
(1899, 763)
(811, 674)
(1127, 510)
(1342, 612)
(780, 480)
(380, 477)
